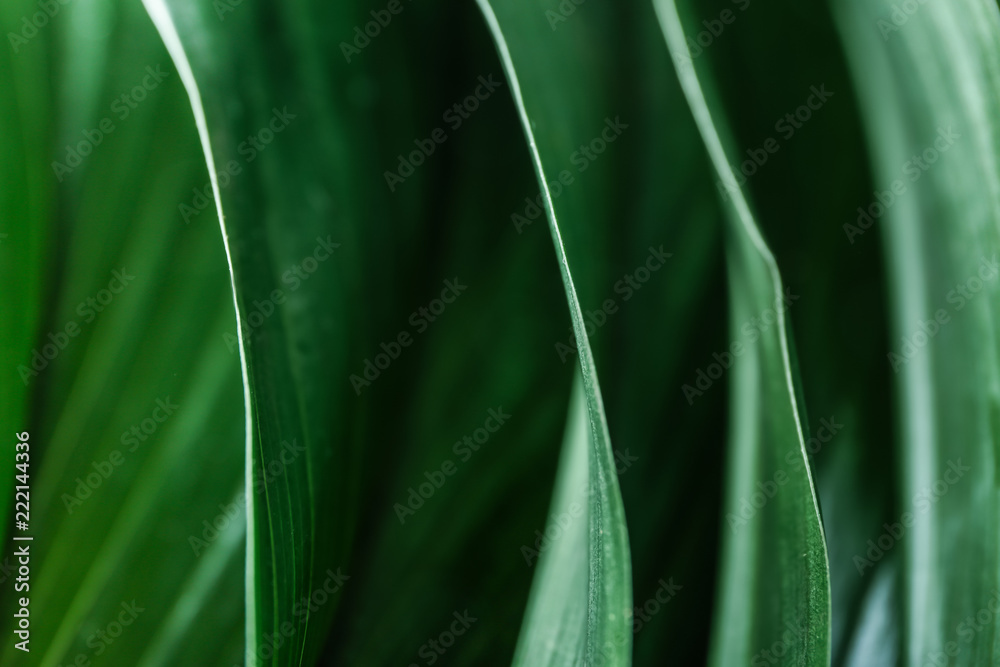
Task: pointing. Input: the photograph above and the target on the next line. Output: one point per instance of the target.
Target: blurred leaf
(135, 411)
(929, 86)
(25, 193)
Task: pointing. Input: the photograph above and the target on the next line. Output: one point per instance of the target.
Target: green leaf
(606, 630)
(25, 193)
(296, 464)
(554, 631)
(393, 486)
(782, 541)
(135, 413)
(929, 89)
(300, 365)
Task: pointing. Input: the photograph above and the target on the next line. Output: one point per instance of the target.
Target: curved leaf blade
(607, 628)
(929, 88)
(783, 541)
